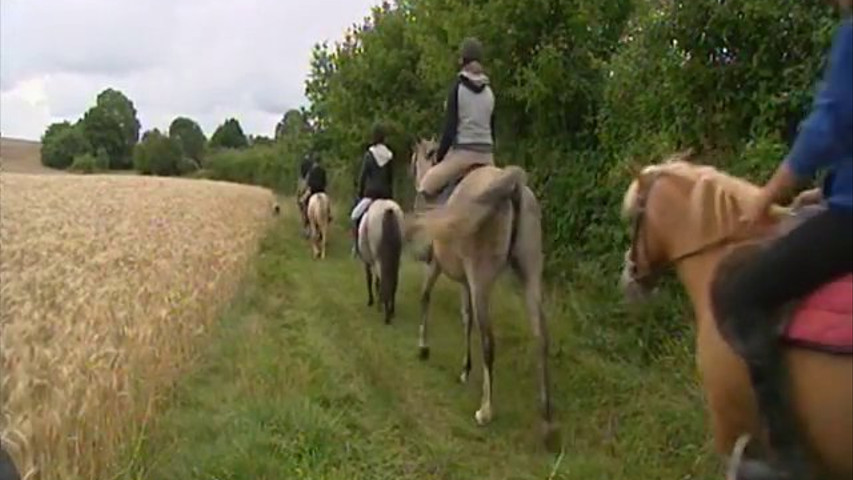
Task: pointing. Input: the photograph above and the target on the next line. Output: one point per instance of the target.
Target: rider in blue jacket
(818, 251)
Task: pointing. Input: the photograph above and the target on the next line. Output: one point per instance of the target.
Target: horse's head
(677, 210)
(423, 157)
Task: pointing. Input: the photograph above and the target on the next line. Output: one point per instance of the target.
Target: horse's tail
(464, 218)
(390, 251)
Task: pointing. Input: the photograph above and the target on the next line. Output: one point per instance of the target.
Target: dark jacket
(376, 178)
(305, 166)
(316, 180)
(469, 120)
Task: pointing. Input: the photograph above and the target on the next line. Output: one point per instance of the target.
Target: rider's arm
(822, 135)
(451, 120)
(362, 177)
(492, 127)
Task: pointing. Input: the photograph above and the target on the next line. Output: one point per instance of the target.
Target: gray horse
(491, 220)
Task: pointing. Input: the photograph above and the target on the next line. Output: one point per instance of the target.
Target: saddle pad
(824, 320)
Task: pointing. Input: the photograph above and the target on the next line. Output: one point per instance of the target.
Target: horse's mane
(716, 197)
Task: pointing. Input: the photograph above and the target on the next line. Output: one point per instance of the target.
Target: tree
(190, 136)
(62, 142)
(292, 123)
(229, 135)
(112, 124)
(157, 154)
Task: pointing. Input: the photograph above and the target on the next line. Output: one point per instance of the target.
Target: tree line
(107, 137)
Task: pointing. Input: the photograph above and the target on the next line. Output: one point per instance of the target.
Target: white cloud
(207, 59)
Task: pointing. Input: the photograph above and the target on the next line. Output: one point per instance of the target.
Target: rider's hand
(757, 211)
(808, 197)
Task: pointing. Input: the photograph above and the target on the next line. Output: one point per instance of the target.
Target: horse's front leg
(465, 300)
(432, 272)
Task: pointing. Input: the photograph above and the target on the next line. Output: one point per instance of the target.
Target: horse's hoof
(483, 416)
(370, 303)
(424, 353)
(463, 377)
(551, 437)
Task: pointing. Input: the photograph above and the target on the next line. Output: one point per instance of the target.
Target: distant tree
(293, 122)
(62, 142)
(112, 124)
(190, 136)
(157, 154)
(229, 135)
(260, 140)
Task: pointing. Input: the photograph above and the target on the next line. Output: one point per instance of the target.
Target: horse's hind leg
(432, 272)
(465, 298)
(527, 262)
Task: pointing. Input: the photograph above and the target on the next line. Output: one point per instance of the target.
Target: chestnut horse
(687, 217)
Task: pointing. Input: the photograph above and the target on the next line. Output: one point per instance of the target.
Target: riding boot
(763, 354)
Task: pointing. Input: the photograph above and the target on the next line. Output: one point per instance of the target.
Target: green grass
(302, 381)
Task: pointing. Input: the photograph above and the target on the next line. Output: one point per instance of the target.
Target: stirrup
(736, 458)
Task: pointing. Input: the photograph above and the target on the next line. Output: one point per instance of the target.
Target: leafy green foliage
(229, 135)
(84, 163)
(272, 166)
(582, 88)
(293, 122)
(157, 154)
(187, 166)
(112, 125)
(61, 143)
(190, 136)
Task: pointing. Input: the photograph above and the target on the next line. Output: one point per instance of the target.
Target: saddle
(823, 319)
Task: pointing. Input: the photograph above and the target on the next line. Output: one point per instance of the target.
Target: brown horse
(490, 221)
(319, 217)
(686, 216)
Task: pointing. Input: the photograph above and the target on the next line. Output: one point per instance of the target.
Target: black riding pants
(812, 254)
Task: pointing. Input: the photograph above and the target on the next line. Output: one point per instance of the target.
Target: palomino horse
(380, 245)
(319, 217)
(686, 216)
(490, 221)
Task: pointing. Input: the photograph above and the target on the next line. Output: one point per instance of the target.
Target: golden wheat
(106, 283)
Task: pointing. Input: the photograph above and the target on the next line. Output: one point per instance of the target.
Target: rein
(642, 199)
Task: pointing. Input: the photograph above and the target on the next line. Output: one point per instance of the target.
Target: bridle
(632, 258)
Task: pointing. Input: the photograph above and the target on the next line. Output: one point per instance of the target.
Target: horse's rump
(477, 197)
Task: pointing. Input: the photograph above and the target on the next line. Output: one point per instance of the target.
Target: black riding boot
(754, 337)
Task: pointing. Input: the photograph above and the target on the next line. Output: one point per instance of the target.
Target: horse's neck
(696, 274)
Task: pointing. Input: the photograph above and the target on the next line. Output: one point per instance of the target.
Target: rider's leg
(455, 162)
(748, 304)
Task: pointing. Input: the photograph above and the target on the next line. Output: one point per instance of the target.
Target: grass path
(303, 381)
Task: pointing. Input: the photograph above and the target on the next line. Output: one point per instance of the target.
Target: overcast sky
(206, 59)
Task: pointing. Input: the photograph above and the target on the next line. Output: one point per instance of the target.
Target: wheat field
(106, 285)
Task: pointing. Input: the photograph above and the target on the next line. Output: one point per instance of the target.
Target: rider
(818, 251)
(469, 135)
(315, 181)
(375, 181)
(304, 168)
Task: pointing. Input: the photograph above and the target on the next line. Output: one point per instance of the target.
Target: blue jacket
(825, 140)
